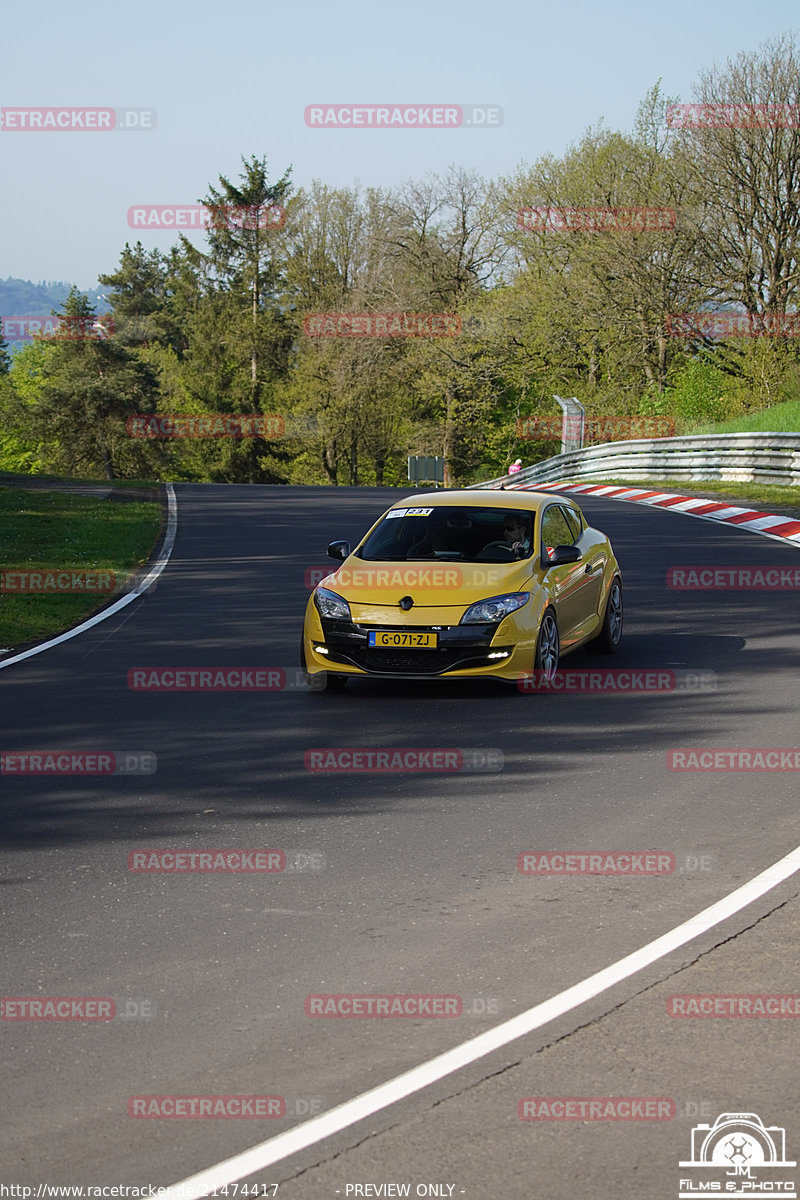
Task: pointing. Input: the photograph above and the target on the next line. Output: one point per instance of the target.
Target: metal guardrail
(736, 457)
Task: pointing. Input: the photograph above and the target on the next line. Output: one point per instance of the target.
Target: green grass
(59, 530)
(773, 498)
(781, 418)
(36, 480)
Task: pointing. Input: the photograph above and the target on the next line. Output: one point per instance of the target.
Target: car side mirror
(340, 550)
(561, 554)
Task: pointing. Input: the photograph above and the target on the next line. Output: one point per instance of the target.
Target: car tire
(547, 646)
(610, 636)
(320, 681)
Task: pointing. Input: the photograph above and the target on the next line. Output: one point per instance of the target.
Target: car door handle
(592, 567)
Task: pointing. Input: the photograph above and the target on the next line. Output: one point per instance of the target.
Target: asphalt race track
(395, 883)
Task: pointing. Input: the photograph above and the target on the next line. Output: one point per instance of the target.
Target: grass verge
(780, 418)
(61, 531)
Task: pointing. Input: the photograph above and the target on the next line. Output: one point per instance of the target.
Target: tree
(444, 246)
(83, 388)
(600, 299)
(242, 258)
(747, 158)
(345, 388)
(142, 298)
(238, 337)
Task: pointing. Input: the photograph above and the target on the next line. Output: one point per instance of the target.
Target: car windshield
(466, 534)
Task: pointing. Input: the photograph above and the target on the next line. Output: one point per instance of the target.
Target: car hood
(429, 584)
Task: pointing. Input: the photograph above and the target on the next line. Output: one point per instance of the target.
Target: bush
(700, 393)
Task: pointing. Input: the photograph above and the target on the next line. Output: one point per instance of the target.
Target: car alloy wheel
(547, 646)
(610, 635)
(614, 613)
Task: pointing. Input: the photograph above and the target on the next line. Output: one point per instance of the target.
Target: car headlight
(494, 609)
(331, 605)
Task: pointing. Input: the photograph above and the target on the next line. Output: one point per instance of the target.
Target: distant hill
(21, 297)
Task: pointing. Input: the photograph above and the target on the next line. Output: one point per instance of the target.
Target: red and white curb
(767, 524)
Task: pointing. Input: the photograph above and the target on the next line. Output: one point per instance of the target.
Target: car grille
(458, 648)
(402, 662)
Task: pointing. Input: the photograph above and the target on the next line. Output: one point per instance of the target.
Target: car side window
(574, 522)
(555, 530)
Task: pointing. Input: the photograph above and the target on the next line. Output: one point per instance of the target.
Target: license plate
(407, 639)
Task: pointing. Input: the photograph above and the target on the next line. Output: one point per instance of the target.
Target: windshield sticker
(409, 512)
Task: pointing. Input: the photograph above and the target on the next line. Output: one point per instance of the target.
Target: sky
(233, 79)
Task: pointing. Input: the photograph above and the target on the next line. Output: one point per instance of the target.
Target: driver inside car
(515, 537)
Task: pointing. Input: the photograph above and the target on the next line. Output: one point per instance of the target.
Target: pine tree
(89, 384)
(238, 339)
(141, 299)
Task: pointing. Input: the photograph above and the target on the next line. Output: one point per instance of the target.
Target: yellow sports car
(464, 585)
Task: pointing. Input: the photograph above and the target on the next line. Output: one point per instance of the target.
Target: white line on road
(310, 1132)
(128, 598)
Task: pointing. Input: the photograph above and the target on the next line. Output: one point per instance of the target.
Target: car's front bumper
(342, 647)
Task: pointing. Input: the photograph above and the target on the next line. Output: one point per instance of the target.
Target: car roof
(498, 498)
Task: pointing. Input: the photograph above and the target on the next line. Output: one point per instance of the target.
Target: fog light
(499, 654)
(321, 650)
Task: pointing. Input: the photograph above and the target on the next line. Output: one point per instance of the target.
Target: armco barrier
(736, 457)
